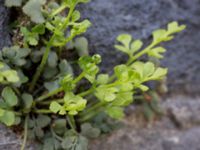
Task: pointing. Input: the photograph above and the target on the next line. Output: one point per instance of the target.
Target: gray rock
(184, 111)
(8, 140)
(4, 32)
(140, 18)
(159, 135)
(188, 140)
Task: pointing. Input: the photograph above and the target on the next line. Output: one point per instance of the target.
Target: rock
(188, 140)
(140, 18)
(160, 135)
(8, 140)
(183, 110)
(4, 32)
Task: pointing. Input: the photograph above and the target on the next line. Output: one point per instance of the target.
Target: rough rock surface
(4, 33)
(140, 18)
(160, 135)
(180, 129)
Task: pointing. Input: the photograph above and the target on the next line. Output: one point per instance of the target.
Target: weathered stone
(4, 33)
(184, 111)
(160, 135)
(140, 18)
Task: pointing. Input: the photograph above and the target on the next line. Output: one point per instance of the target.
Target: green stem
(18, 113)
(79, 77)
(89, 116)
(85, 93)
(55, 135)
(60, 101)
(71, 122)
(60, 9)
(92, 109)
(25, 133)
(132, 59)
(139, 54)
(48, 48)
(41, 98)
(42, 111)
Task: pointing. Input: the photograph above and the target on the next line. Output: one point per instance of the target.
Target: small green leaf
(11, 3)
(148, 69)
(33, 9)
(65, 68)
(138, 67)
(50, 72)
(76, 16)
(122, 72)
(122, 49)
(102, 78)
(74, 103)
(115, 112)
(51, 86)
(82, 143)
(136, 45)
(43, 121)
(17, 120)
(55, 107)
(22, 79)
(88, 131)
(59, 126)
(9, 96)
(8, 118)
(159, 73)
(27, 100)
(39, 133)
(69, 142)
(48, 144)
(159, 35)
(125, 39)
(11, 76)
(144, 88)
(173, 27)
(2, 112)
(123, 99)
(40, 29)
(83, 1)
(52, 59)
(106, 94)
(157, 52)
(1, 65)
(81, 45)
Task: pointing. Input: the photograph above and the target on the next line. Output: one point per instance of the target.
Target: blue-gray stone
(140, 18)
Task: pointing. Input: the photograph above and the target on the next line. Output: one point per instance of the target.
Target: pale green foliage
(129, 46)
(32, 37)
(7, 75)
(14, 55)
(7, 116)
(81, 45)
(33, 8)
(39, 82)
(9, 96)
(72, 104)
(89, 66)
(11, 3)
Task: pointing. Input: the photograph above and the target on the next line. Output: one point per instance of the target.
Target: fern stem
(52, 93)
(25, 133)
(48, 48)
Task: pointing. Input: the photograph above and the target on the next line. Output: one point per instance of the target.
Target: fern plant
(42, 94)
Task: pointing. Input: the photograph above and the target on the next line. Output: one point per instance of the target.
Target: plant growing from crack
(42, 94)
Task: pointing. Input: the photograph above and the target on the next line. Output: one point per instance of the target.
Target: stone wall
(140, 18)
(4, 18)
